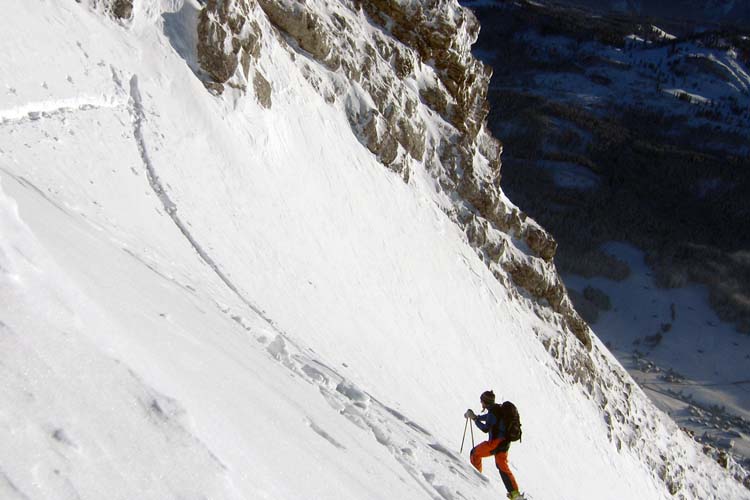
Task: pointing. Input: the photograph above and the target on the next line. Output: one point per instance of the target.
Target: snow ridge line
(36, 110)
(139, 117)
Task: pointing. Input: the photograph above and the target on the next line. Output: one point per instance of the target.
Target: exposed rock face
(411, 61)
(541, 242)
(262, 89)
(122, 9)
(439, 32)
(550, 288)
(305, 26)
(229, 40)
(378, 139)
(409, 64)
(119, 9)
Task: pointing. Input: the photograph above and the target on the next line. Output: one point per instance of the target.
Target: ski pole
(464, 438)
(472, 435)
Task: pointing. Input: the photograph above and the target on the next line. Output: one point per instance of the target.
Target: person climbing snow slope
(498, 442)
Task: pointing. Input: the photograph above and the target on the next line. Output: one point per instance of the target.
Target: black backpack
(508, 414)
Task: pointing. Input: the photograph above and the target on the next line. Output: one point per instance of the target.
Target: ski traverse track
(216, 299)
(135, 107)
(44, 109)
(426, 460)
(114, 98)
(430, 463)
(412, 446)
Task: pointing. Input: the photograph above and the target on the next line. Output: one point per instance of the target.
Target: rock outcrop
(410, 63)
(119, 9)
(439, 33)
(441, 36)
(229, 42)
(403, 72)
(305, 26)
(122, 9)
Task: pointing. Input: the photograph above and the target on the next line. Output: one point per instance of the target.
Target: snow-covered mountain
(259, 250)
(699, 12)
(619, 132)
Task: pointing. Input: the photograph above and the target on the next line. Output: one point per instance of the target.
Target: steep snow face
(412, 92)
(205, 297)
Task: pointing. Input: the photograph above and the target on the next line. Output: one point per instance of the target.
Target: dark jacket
(489, 422)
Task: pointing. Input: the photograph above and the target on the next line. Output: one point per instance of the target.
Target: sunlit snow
(203, 298)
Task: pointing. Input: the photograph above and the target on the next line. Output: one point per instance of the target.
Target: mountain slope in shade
(698, 12)
(616, 131)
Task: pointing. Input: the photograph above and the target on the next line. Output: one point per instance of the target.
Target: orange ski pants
(500, 450)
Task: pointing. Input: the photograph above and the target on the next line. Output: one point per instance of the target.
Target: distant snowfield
(205, 299)
(570, 175)
(645, 74)
(698, 359)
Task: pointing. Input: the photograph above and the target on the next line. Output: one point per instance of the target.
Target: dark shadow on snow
(181, 29)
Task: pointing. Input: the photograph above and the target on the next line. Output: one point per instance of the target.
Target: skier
(497, 444)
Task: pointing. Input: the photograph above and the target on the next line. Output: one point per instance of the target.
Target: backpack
(508, 414)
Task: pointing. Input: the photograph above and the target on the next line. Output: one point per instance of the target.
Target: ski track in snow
(404, 439)
(45, 109)
(422, 457)
(8, 487)
(412, 446)
(139, 118)
(432, 465)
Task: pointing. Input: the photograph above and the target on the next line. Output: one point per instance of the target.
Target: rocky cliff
(403, 73)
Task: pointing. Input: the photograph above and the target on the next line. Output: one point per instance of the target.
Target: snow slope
(203, 298)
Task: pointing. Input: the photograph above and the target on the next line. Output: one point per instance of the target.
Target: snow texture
(204, 298)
